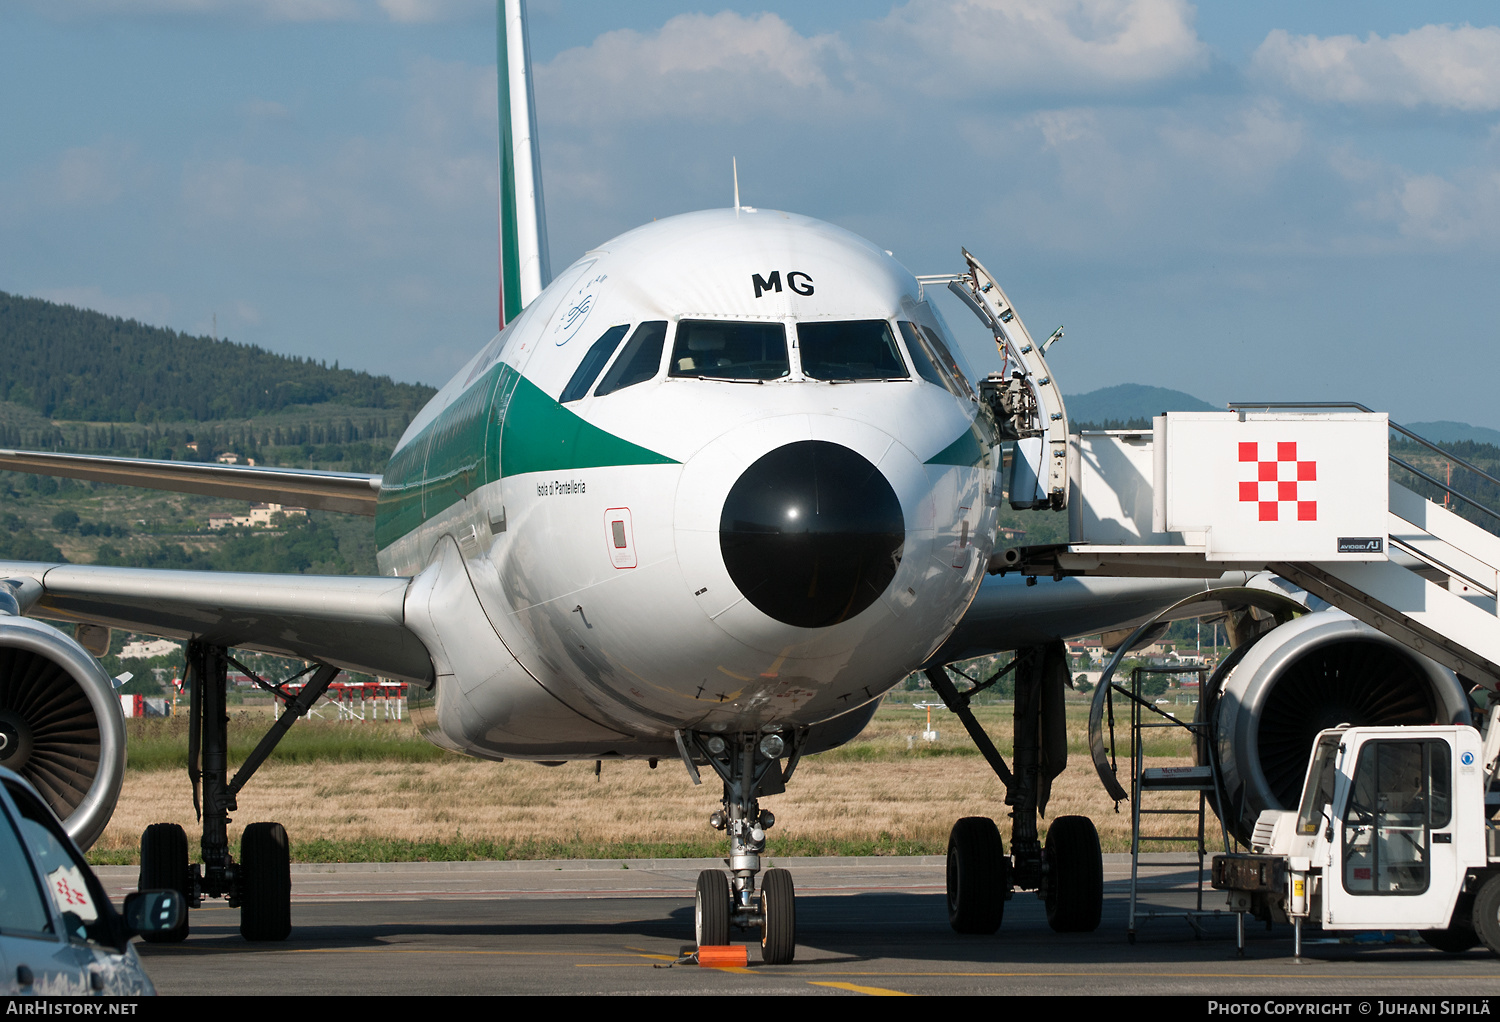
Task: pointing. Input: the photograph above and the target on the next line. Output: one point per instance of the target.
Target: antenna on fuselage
(735, 163)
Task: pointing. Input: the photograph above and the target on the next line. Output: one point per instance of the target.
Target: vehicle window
(730, 351)
(639, 361)
(593, 363)
(861, 349)
(75, 892)
(1400, 790)
(945, 358)
(21, 907)
(1318, 794)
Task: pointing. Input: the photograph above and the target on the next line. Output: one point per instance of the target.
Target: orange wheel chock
(727, 957)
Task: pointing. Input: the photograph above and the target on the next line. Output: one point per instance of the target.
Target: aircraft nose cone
(812, 533)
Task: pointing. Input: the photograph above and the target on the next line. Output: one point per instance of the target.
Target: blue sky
(1278, 200)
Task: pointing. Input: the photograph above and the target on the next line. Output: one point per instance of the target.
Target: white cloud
(82, 178)
(1445, 212)
(405, 11)
(1455, 68)
(377, 192)
(270, 10)
(1242, 154)
(1039, 46)
(436, 10)
(1093, 180)
(729, 67)
(86, 176)
(724, 66)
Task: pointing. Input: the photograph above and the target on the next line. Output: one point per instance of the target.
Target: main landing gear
(260, 884)
(750, 766)
(1068, 871)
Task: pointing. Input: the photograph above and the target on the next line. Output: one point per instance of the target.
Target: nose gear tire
(778, 932)
(711, 909)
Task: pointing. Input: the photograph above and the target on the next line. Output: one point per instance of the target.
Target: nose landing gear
(749, 764)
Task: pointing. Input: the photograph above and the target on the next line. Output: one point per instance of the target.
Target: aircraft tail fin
(524, 268)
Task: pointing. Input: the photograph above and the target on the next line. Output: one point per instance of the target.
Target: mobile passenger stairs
(1311, 493)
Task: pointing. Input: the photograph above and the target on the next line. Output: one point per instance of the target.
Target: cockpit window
(588, 370)
(730, 351)
(861, 349)
(946, 359)
(639, 361)
(930, 365)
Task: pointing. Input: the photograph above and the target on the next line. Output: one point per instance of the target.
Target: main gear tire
(1075, 875)
(978, 876)
(266, 892)
(164, 866)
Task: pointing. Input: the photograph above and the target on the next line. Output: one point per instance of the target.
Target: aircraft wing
(357, 623)
(1009, 614)
(350, 492)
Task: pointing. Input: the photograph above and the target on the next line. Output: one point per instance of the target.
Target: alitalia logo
(1280, 484)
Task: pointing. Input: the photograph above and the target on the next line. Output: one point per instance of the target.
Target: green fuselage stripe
(968, 450)
(503, 425)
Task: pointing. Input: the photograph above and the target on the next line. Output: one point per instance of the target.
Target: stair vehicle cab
(1392, 833)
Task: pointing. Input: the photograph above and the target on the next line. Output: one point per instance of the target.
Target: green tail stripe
(510, 244)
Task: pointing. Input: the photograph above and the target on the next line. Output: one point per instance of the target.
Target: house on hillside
(259, 516)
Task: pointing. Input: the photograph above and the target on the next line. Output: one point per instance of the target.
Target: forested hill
(70, 363)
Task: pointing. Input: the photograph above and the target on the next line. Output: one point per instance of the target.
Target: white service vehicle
(1393, 832)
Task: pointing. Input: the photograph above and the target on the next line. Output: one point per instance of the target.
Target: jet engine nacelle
(60, 724)
(1271, 697)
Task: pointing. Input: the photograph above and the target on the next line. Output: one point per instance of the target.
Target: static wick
(735, 163)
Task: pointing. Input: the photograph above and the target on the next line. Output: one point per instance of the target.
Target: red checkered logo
(1279, 480)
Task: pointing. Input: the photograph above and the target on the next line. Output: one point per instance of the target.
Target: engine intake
(1270, 698)
(60, 724)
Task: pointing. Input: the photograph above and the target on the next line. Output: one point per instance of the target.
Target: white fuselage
(572, 580)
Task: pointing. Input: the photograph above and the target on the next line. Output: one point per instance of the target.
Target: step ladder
(1204, 780)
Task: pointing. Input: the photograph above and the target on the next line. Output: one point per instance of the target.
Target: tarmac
(865, 926)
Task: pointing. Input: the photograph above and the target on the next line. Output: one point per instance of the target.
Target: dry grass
(870, 797)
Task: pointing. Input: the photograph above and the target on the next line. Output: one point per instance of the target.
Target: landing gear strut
(1068, 872)
(749, 764)
(260, 884)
